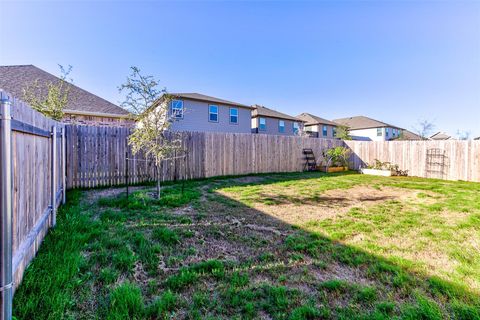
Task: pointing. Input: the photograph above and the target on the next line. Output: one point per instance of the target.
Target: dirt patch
(292, 208)
(250, 179)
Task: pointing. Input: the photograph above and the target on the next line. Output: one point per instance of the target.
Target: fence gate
(32, 186)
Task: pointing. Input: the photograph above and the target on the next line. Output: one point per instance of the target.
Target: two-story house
(199, 112)
(368, 129)
(269, 121)
(318, 127)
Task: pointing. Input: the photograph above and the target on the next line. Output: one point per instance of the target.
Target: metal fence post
(64, 166)
(53, 176)
(6, 281)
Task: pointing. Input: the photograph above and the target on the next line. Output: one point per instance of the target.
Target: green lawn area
(280, 246)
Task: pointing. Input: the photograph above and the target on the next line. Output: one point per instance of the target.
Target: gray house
(198, 112)
(268, 121)
(318, 127)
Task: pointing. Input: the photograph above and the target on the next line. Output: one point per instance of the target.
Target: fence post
(64, 166)
(6, 281)
(53, 176)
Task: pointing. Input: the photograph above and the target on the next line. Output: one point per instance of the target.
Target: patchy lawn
(282, 246)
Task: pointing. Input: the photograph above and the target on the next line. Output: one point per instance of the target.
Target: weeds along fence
(447, 159)
(32, 174)
(96, 156)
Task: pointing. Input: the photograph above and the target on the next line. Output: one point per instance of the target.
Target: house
(368, 129)
(269, 121)
(83, 107)
(441, 136)
(199, 112)
(477, 138)
(407, 135)
(318, 127)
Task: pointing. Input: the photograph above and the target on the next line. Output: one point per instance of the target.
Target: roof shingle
(362, 122)
(311, 119)
(266, 112)
(15, 79)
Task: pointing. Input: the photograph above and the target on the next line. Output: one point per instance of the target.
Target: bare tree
(50, 98)
(463, 135)
(150, 106)
(424, 128)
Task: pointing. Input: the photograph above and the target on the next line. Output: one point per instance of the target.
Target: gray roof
(408, 135)
(477, 138)
(202, 97)
(362, 122)
(14, 79)
(311, 119)
(440, 136)
(260, 111)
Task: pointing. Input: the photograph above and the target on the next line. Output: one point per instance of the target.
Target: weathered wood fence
(447, 159)
(32, 166)
(100, 156)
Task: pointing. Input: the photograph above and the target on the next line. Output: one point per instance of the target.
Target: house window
(324, 131)
(296, 128)
(334, 131)
(234, 115)
(262, 124)
(281, 126)
(386, 132)
(177, 108)
(379, 132)
(213, 113)
(394, 132)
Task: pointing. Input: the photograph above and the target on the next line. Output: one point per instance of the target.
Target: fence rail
(32, 181)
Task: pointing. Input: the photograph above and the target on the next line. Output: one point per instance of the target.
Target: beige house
(269, 121)
(318, 127)
(441, 136)
(368, 129)
(83, 107)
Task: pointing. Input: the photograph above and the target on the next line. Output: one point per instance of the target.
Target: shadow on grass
(60, 273)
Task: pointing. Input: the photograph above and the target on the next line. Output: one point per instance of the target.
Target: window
(213, 113)
(296, 128)
(386, 132)
(262, 124)
(394, 132)
(334, 131)
(234, 115)
(281, 126)
(379, 132)
(177, 108)
(324, 131)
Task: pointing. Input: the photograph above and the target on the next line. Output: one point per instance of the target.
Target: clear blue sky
(394, 61)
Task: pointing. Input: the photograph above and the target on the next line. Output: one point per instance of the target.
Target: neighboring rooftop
(441, 136)
(311, 119)
(15, 79)
(477, 138)
(362, 122)
(205, 98)
(408, 135)
(259, 111)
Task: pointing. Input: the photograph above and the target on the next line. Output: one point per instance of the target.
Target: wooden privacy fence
(447, 159)
(32, 166)
(96, 156)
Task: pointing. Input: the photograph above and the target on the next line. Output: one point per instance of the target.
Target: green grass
(226, 249)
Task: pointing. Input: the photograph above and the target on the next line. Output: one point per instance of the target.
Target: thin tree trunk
(158, 180)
